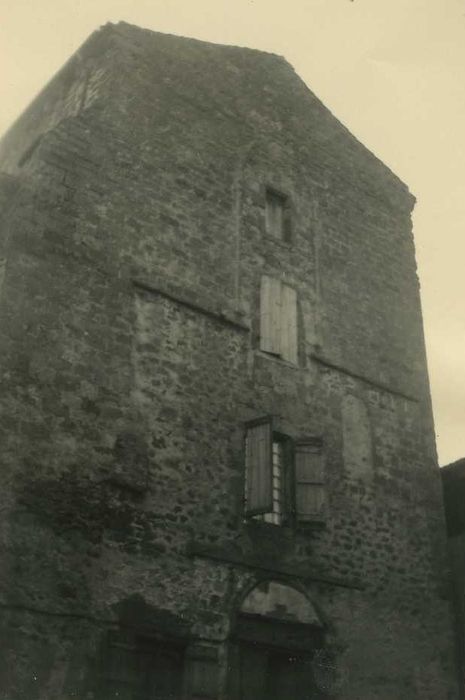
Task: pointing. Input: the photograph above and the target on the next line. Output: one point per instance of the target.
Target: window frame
(274, 198)
(289, 485)
(266, 420)
(286, 501)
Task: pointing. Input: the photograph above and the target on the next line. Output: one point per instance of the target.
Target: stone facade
(134, 242)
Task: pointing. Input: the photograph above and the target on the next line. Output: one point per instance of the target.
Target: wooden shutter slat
(289, 324)
(270, 315)
(309, 483)
(259, 481)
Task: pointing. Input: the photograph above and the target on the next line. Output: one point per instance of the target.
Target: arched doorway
(276, 635)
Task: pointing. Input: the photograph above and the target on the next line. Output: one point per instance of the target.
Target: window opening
(277, 215)
(284, 479)
(276, 515)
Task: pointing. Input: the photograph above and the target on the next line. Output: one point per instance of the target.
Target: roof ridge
(122, 24)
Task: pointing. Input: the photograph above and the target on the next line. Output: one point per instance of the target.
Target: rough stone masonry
(218, 469)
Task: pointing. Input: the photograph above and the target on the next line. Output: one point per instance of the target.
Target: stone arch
(278, 601)
(357, 439)
(275, 642)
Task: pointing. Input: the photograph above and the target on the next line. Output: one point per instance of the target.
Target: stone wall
(135, 243)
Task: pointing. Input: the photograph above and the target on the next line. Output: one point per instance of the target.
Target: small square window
(277, 215)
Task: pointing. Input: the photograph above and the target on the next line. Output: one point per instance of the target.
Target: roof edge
(123, 28)
(85, 50)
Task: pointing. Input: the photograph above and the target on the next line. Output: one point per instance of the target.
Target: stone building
(219, 476)
(453, 479)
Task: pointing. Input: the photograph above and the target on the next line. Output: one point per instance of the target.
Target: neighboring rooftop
(453, 479)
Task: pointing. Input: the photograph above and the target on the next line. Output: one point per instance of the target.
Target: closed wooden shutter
(270, 315)
(288, 324)
(258, 468)
(309, 482)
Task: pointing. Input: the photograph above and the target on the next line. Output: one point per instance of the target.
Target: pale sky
(393, 71)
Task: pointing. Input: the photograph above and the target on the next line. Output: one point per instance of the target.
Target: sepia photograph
(232, 350)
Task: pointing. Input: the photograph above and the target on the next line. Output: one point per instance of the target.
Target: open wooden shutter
(309, 481)
(288, 324)
(258, 467)
(270, 315)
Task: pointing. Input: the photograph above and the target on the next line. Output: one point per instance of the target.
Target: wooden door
(289, 676)
(140, 669)
(264, 673)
